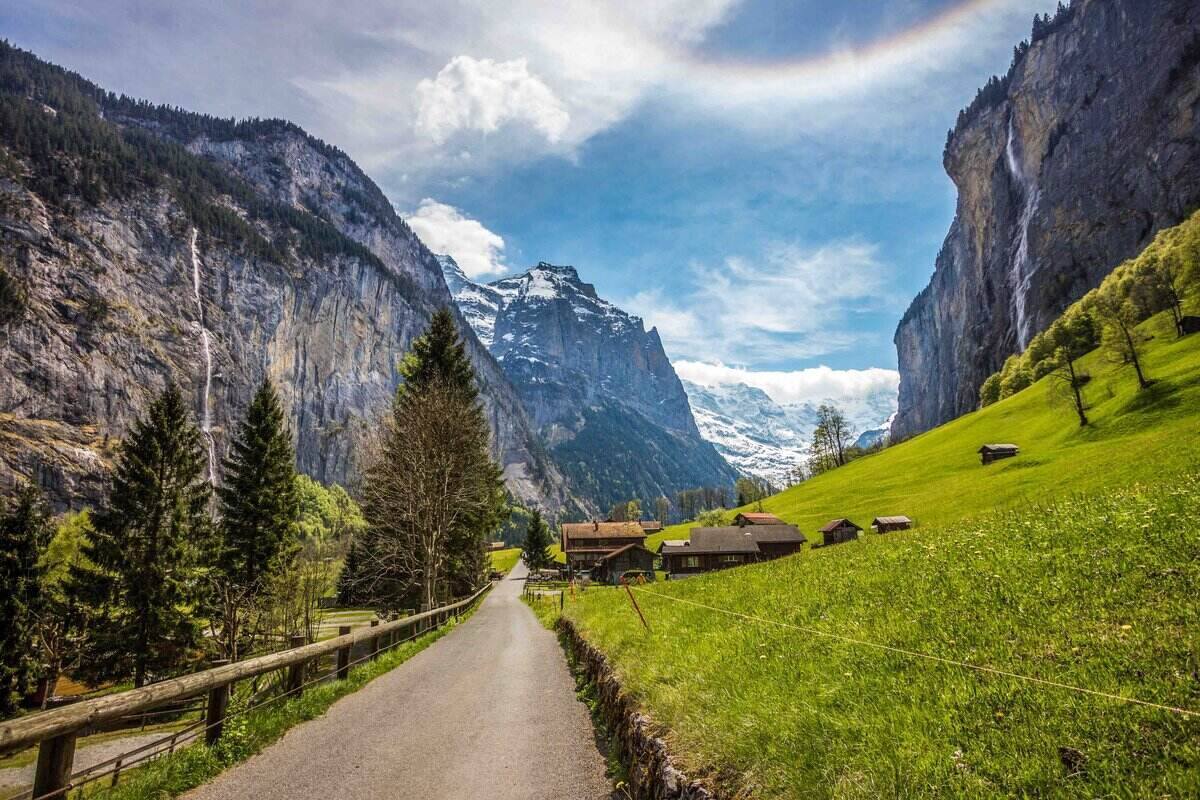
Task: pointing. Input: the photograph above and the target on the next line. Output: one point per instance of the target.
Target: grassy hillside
(936, 477)
(504, 560)
(1077, 562)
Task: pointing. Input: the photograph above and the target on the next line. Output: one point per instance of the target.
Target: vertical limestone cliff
(1065, 167)
(153, 244)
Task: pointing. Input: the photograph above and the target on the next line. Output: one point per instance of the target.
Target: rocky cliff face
(220, 254)
(598, 387)
(1064, 168)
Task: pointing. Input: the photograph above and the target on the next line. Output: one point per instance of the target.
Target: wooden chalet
(651, 525)
(630, 557)
(711, 549)
(586, 543)
(994, 452)
(886, 524)
(839, 530)
(756, 518)
(496, 546)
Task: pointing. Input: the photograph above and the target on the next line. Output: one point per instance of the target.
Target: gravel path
(489, 711)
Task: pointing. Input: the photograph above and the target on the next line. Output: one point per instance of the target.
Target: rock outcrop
(596, 384)
(1064, 168)
(301, 272)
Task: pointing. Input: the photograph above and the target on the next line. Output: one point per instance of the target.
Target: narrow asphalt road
(489, 711)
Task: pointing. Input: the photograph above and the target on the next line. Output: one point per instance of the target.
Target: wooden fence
(56, 731)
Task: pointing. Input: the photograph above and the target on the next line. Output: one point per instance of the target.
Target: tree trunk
(1133, 357)
(1083, 421)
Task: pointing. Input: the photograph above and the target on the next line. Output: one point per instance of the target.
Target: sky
(761, 180)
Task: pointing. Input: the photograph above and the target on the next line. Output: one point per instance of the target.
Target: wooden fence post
(343, 655)
(374, 641)
(214, 714)
(55, 758)
(295, 678)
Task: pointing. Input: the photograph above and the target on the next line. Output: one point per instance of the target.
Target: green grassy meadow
(1077, 562)
(504, 560)
(936, 477)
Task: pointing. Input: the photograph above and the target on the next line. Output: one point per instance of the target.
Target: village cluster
(609, 551)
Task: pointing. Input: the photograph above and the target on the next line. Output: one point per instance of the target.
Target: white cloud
(444, 229)
(796, 386)
(481, 95)
(791, 303)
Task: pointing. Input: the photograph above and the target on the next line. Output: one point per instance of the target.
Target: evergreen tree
(349, 590)
(439, 355)
(259, 502)
(141, 585)
(25, 532)
(260, 511)
(535, 550)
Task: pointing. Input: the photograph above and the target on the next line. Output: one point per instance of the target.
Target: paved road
(489, 711)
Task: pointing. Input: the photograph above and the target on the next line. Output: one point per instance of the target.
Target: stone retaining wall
(644, 755)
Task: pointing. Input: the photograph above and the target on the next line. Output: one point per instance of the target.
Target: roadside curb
(652, 774)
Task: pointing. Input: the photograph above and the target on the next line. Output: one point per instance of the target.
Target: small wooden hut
(839, 530)
(994, 452)
(886, 524)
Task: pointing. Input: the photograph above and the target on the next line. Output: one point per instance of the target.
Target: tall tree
(535, 550)
(1121, 340)
(432, 496)
(25, 532)
(662, 507)
(142, 581)
(1072, 337)
(259, 514)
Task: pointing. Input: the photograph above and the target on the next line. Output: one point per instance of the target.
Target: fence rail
(55, 731)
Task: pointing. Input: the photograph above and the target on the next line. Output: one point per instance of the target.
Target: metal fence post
(53, 772)
(343, 655)
(295, 678)
(214, 714)
(374, 641)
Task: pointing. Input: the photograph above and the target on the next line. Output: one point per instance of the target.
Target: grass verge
(1100, 591)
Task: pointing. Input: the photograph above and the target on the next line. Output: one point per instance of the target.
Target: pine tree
(535, 550)
(349, 589)
(259, 503)
(142, 583)
(260, 512)
(439, 355)
(25, 532)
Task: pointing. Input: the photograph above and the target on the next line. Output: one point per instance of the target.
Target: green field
(1077, 562)
(936, 477)
(504, 560)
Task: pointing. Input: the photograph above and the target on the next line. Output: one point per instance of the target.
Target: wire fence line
(916, 654)
(169, 743)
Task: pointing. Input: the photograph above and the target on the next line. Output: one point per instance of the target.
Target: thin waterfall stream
(206, 346)
(1019, 271)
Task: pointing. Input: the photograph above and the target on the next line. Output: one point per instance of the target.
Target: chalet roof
(834, 524)
(777, 533)
(891, 521)
(999, 448)
(650, 525)
(602, 530)
(759, 518)
(672, 543)
(721, 540)
(619, 550)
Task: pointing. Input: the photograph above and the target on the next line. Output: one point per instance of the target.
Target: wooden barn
(585, 543)
(711, 549)
(994, 452)
(631, 557)
(756, 518)
(886, 524)
(651, 525)
(839, 530)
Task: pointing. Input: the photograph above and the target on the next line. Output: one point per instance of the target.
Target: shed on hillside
(994, 452)
(756, 518)
(885, 524)
(839, 530)
(651, 525)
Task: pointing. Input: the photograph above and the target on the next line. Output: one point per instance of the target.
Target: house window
(691, 562)
(733, 559)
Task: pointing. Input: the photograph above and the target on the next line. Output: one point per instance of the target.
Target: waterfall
(1019, 271)
(206, 346)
